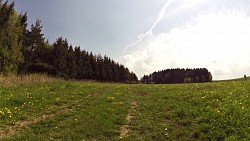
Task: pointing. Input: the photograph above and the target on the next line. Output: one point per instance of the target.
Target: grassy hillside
(102, 111)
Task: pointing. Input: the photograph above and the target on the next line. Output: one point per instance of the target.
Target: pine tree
(115, 71)
(85, 64)
(33, 42)
(60, 57)
(71, 63)
(108, 70)
(79, 63)
(102, 75)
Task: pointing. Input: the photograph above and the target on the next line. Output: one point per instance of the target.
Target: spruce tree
(71, 63)
(60, 57)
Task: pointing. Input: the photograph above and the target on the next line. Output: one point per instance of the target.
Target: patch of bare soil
(18, 126)
(124, 130)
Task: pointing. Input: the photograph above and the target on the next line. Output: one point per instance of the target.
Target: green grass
(99, 111)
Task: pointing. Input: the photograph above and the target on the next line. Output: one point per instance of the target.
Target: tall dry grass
(7, 80)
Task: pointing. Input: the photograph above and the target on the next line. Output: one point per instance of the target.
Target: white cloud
(218, 41)
(149, 32)
(190, 3)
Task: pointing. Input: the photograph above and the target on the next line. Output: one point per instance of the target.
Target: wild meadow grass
(209, 111)
(88, 111)
(7, 80)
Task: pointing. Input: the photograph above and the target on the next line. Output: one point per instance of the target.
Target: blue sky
(149, 35)
(100, 26)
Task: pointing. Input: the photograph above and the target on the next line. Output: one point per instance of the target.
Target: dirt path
(124, 130)
(20, 125)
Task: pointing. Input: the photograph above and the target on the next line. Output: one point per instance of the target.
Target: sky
(152, 35)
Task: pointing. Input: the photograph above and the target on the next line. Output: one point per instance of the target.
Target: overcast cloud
(215, 35)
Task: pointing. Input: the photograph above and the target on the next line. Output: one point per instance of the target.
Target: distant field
(105, 111)
(236, 79)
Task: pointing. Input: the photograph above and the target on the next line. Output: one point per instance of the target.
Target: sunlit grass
(209, 111)
(97, 111)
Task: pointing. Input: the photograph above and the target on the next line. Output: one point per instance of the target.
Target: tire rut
(20, 125)
(124, 130)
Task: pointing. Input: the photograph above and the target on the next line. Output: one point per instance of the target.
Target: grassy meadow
(89, 111)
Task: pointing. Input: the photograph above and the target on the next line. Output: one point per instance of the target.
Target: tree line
(172, 76)
(25, 50)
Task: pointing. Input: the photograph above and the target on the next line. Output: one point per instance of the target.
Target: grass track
(99, 111)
